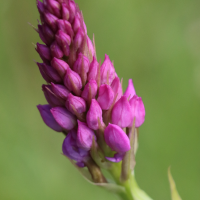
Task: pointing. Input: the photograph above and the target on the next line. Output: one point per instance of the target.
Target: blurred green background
(157, 44)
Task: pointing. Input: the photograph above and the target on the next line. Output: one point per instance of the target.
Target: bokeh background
(157, 44)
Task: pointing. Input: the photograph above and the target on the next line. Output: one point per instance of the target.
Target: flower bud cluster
(85, 98)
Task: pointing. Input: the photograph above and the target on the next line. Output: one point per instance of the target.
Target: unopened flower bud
(73, 9)
(51, 20)
(121, 113)
(138, 110)
(94, 114)
(65, 26)
(130, 90)
(49, 73)
(71, 150)
(40, 7)
(79, 37)
(60, 66)
(52, 98)
(56, 51)
(117, 88)
(73, 81)
(43, 51)
(77, 23)
(81, 66)
(53, 7)
(116, 139)
(64, 118)
(90, 90)
(105, 97)
(107, 71)
(41, 34)
(60, 91)
(65, 12)
(64, 41)
(92, 74)
(48, 117)
(48, 33)
(84, 136)
(75, 104)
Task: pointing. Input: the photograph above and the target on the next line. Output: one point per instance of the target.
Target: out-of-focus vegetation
(157, 44)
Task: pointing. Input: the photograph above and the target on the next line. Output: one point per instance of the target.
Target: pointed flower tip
(130, 90)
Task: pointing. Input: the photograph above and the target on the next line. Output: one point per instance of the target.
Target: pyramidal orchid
(86, 101)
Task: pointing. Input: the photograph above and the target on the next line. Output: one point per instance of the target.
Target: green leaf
(174, 192)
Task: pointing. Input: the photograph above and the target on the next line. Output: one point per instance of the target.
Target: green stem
(132, 190)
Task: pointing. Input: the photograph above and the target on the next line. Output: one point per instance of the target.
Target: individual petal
(49, 73)
(105, 97)
(64, 118)
(130, 90)
(92, 74)
(75, 104)
(48, 117)
(90, 90)
(71, 150)
(117, 88)
(138, 110)
(116, 139)
(117, 157)
(60, 66)
(60, 91)
(51, 97)
(107, 71)
(73, 81)
(84, 136)
(121, 113)
(94, 114)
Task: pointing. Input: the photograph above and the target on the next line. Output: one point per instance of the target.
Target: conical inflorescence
(85, 98)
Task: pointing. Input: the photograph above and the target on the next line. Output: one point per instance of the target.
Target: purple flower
(117, 88)
(116, 139)
(92, 74)
(75, 104)
(138, 110)
(93, 115)
(90, 90)
(71, 149)
(60, 66)
(84, 136)
(122, 113)
(64, 118)
(48, 117)
(51, 97)
(107, 71)
(105, 97)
